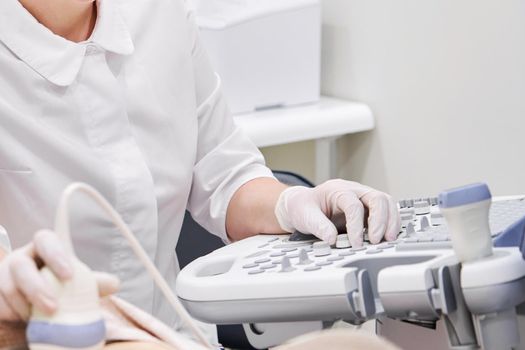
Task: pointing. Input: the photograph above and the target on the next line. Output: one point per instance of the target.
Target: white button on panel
(286, 250)
(347, 253)
(259, 253)
(406, 219)
(358, 249)
(249, 266)
(422, 207)
(335, 258)
(275, 254)
(291, 245)
(407, 211)
(268, 266)
(437, 219)
(312, 268)
(385, 245)
(321, 249)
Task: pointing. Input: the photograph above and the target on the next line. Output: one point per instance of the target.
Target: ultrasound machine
(459, 258)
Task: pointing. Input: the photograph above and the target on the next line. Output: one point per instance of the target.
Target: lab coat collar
(53, 57)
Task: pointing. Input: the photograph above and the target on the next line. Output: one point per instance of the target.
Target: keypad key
(312, 268)
(335, 258)
(276, 254)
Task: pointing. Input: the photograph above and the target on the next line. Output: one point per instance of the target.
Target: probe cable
(62, 229)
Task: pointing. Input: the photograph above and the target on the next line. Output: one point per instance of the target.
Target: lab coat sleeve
(226, 158)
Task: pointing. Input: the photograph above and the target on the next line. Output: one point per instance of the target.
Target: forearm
(251, 209)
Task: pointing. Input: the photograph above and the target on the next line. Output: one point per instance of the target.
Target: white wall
(446, 80)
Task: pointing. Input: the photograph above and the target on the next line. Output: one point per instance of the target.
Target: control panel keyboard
(281, 278)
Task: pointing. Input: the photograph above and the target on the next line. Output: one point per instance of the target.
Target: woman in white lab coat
(120, 95)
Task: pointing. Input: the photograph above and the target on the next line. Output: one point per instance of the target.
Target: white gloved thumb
(107, 283)
(298, 209)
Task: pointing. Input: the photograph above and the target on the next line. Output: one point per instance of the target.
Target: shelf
(328, 118)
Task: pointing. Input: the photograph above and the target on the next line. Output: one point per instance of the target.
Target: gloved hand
(329, 207)
(22, 285)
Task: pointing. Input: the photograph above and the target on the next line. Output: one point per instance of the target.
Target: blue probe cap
(464, 195)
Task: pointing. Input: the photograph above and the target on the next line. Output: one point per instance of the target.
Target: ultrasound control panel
(295, 278)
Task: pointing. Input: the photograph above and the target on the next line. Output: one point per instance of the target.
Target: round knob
(342, 241)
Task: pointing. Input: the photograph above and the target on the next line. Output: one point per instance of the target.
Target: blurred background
(445, 80)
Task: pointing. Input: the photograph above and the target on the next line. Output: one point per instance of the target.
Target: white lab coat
(137, 112)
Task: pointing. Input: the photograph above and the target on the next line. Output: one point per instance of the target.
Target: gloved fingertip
(107, 283)
(392, 235)
(330, 238)
(376, 234)
(64, 269)
(328, 233)
(47, 304)
(356, 240)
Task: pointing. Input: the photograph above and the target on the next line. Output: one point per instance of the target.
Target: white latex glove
(329, 207)
(21, 284)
